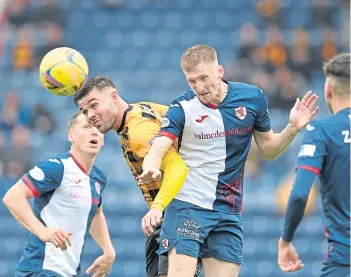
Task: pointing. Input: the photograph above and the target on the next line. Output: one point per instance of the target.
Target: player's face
(99, 108)
(85, 137)
(205, 81)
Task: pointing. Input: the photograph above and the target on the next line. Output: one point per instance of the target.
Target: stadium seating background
(139, 44)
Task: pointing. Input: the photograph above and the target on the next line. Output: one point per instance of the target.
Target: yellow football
(63, 71)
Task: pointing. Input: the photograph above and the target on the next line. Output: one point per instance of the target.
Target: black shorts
(155, 265)
(158, 264)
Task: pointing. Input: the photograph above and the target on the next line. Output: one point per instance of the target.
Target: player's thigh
(151, 257)
(185, 227)
(332, 269)
(214, 268)
(181, 265)
(180, 260)
(225, 241)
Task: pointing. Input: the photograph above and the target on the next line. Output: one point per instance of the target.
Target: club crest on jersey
(240, 112)
(165, 243)
(97, 187)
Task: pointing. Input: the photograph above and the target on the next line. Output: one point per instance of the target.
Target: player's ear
(70, 136)
(220, 72)
(328, 91)
(114, 95)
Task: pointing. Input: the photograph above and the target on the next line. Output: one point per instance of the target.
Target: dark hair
(72, 121)
(338, 67)
(98, 82)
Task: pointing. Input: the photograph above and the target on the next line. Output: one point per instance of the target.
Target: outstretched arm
(272, 145)
(172, 126)
(152, 161)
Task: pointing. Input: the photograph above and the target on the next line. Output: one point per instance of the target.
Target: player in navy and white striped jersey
(68, 191)
(326, 152)
(214, 123)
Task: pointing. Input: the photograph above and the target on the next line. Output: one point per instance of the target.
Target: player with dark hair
(326, 152)
(137, 125)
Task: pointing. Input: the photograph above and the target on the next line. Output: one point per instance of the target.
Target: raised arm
(272, 145)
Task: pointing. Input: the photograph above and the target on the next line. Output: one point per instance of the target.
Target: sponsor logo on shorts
(190, 229)
(181, 231)
(192, 224)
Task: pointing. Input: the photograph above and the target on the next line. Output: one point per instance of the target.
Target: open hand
(151, 220)
(288, 259)
(303, 111)
(57, 237)
(102, 266)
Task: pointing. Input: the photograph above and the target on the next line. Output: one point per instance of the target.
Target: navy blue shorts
(333, 269)
(43, 273)
(202, 233)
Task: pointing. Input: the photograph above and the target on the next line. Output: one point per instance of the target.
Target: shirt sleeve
(297, 202)
(313, 149)
(174, 174)
(44, 177)
(174, 121)
(263, 122)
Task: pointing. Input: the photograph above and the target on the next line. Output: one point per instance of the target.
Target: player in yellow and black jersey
(137, 125)
(140, 124)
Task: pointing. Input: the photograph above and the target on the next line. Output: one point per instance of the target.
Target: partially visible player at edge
(137, 125)
(214, 122)
(68, 192)
(326, 152)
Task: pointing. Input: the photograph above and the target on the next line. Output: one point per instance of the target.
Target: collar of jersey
(78, 164)
(124, 118)
(344, 110)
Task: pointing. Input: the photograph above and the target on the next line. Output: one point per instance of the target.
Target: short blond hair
(73, 120)
(197, 54)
